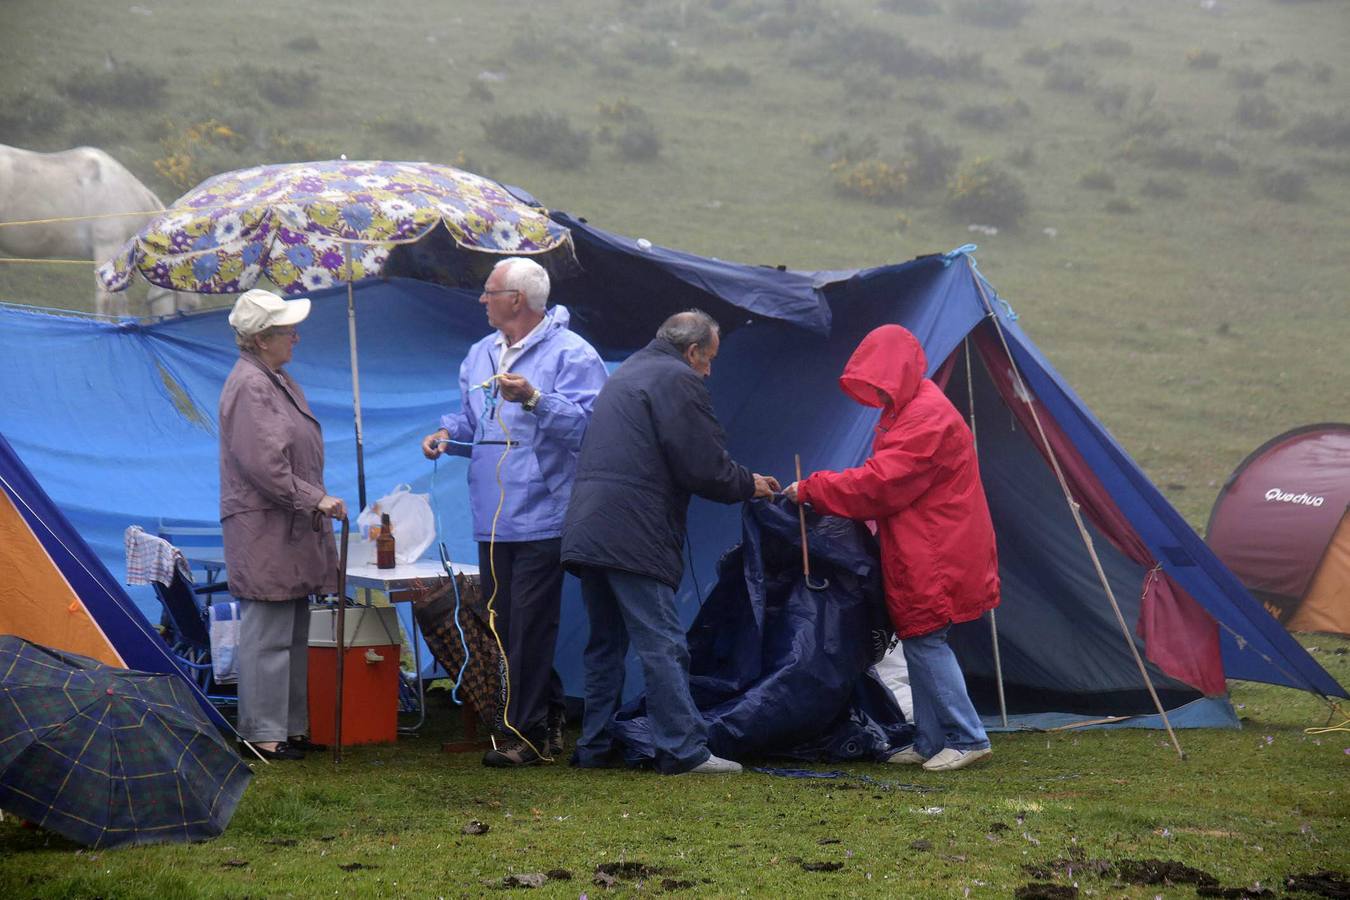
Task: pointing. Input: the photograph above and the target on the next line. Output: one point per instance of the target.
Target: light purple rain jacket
(271, 482)
(538, 470)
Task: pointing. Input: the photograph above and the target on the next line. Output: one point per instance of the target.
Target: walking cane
(801, 520)
(341, 638)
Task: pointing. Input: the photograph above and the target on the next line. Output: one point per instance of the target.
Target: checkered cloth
(151, 558)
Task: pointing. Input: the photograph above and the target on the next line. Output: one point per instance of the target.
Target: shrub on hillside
(1163, 188)
(846, 145)
(1220, 162)
(1257, 111)
(1247, 78)
(547, 137)
(1285, 185)
(198, 150)
(985, 192)
(126, 85)
(912, 7)
(286, 88)
(28, 115)
(649, 51)
(1148, 123)
(1023, 157)
(630, 129)
(638, 142)
(1325, 130)
(1121, 206)
(1111, 46)
(836, 48)
(1202, 59)
(993, 118)
(100, 128)
(406, 128)
(1069, 78)
(726, 75)
(993, 13)
(1112, 100)
(929, 160)
(305, 43)
(1036, 56)
(870, 179)
(863, 83)
(1097, 180)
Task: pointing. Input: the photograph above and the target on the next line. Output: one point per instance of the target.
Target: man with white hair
(527, 390)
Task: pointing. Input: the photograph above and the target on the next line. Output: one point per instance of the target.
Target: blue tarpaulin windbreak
(117, 421)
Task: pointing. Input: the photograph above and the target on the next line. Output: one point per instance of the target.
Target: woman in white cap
(274, 516)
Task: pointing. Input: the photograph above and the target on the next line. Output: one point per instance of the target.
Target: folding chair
(189, 639)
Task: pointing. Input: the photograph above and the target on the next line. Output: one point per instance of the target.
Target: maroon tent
(1280, 524)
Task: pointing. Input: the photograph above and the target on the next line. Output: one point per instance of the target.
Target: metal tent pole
(993, 618)
(1019, 382)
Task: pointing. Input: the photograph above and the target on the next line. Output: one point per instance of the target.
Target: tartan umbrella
(108, 756)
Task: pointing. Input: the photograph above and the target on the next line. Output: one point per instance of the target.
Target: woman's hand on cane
(333, 507)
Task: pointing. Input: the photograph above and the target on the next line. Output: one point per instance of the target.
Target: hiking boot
(907, 756)
(716, 765)
(555, 736)
(511, 756)
(949, 759)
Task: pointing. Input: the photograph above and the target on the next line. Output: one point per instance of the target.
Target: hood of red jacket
(889, 359)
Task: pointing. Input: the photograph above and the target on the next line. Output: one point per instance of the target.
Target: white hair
(526, 276)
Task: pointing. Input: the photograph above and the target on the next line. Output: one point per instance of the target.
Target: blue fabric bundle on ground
(780, 670)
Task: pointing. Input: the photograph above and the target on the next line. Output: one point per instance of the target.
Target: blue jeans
(622, 606)
(943, 713)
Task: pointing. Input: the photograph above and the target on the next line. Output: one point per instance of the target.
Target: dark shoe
(555, 736)
(511, 756)
(283, 751)
(306, 745)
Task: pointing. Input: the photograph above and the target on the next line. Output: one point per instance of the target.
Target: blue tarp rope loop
(968, 251)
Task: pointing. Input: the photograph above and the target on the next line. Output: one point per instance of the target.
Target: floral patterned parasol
(294, 223)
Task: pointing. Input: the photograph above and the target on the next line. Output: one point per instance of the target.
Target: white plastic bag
(411, 519)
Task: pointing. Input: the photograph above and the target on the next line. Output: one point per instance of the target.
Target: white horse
(73, 184)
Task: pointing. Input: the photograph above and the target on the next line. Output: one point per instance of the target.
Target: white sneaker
(950, 759)
(716, 765)
(906, 756)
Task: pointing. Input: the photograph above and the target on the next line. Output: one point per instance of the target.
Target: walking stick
(801, 520)
(341, 638)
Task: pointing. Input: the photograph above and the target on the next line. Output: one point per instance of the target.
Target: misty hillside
(1161, 189)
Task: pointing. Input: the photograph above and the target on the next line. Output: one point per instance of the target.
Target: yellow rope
(492, 567)
(59, 262)
(88, 218)
(1331, 729)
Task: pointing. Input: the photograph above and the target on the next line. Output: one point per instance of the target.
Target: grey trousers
(273, 669)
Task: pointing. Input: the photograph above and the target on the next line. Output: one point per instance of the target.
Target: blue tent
(117, 420)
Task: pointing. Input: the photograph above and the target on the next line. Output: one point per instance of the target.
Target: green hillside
(1170, 181)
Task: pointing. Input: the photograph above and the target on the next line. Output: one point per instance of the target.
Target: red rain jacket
(922, 487)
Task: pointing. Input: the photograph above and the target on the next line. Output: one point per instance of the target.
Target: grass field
(1181, 259)
(1248, 808)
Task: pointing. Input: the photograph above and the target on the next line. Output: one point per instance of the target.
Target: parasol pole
(356, 380)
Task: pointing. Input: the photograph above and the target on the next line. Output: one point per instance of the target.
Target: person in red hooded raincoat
(921, 486)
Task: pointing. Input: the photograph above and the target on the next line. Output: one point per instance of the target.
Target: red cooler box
(370, 675)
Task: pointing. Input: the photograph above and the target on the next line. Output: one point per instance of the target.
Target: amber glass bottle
(384, 544)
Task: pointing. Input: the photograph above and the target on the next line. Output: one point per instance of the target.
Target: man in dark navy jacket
(653, 441)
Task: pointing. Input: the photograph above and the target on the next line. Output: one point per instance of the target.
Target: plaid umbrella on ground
(108, 756)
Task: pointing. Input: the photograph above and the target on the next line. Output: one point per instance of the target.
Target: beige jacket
(271, 482)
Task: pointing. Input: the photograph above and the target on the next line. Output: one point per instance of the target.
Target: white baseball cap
(258, 310)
